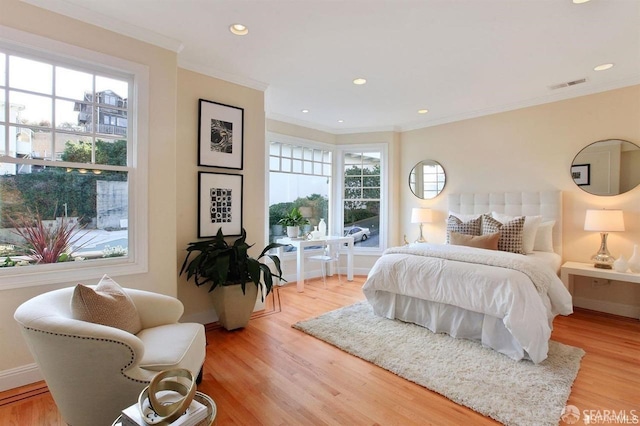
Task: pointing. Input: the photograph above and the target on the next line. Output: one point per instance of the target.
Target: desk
(301, 244)
(569, 269)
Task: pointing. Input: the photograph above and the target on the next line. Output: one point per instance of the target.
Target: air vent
(568, 83)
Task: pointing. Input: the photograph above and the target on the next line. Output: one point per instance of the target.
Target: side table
(570, 269)
(201, 398)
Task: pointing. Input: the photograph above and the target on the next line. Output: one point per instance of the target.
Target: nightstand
(570, 269)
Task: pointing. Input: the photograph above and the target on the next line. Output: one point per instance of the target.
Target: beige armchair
(94, 371)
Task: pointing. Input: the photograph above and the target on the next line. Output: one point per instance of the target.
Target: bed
(503, 299)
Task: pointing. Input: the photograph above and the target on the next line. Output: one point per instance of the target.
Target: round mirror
(608, 167)
(427, 179)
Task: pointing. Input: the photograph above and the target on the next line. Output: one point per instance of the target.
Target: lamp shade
(421, 215)
(604, 220)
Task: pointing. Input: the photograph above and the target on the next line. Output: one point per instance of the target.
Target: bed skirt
(455, 321)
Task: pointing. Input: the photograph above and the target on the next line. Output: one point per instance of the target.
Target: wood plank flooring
(271, 374)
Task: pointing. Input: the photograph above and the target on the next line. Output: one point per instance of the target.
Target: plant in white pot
(293, 221)
(229, 269)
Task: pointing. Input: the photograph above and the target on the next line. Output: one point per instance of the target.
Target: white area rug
(511, 392)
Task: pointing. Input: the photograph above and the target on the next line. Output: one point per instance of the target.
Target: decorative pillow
(471, 227)
(544, 237)
(531, 224)
(108, 305)
(464, 217)
(489, 241)
(510, 233)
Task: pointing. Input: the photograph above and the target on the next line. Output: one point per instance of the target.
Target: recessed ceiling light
(305, 111)
(579, 1)
(423, 111)
(239, 29)
(340, 121)
(603, 67)
(359, 81)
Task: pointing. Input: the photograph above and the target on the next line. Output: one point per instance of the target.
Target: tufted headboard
(548, 204)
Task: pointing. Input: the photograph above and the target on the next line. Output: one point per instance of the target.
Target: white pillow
(529, 231)
(544, 237)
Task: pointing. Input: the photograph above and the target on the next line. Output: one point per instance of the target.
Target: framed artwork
(581, 174)
(219, 204)
(220, 133)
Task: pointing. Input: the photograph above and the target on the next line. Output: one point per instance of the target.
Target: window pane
(108, 121)
(297, 166)
(30, 75)
(73, 84)
(286, 151)
(34, 144)
(369, 193)
(308, 154)
(286, 165)
(30, 109)
(96, 205)
(369, 181)
(274, 164)
(308, 167)
(68, 115)
(274, 148)
(296, 152)
(111, 91)
(362, 221)
(74, 148)
(111, 151)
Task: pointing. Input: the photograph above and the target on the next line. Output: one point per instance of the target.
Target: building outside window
(65, 165)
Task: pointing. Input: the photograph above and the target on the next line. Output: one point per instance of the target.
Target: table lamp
(421, 215)
(603, 221)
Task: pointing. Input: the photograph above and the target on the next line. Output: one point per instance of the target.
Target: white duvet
(525, 309)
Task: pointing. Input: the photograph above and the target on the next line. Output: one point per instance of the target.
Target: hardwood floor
(271, 374)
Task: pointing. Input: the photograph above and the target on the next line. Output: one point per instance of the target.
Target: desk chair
(329, 255)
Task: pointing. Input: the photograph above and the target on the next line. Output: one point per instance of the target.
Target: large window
(67, 172)
(362, 197)
(299, 177)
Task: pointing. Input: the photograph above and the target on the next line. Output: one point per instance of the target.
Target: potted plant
(293, 220)
(229, 269)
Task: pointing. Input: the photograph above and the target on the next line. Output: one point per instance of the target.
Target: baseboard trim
(608, 307)
(20, 376)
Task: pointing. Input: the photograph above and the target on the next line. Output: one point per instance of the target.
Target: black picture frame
(581, 174)
(220, 135)
(219, 204)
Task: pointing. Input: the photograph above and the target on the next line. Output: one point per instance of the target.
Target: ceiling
(457, 58)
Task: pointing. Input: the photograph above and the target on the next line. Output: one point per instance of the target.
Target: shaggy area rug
(511, 392)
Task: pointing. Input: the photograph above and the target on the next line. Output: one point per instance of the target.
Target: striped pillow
(510, 233)
(472, 227)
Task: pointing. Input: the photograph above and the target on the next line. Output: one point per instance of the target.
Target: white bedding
(492, 292)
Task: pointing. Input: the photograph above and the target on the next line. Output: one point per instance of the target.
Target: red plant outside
(47, 244)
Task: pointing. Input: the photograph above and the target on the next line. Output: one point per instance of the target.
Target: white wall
(191, 87)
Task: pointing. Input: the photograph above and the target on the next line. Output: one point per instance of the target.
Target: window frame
(383, 149)
(58, 53)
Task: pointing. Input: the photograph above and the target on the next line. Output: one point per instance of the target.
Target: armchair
(94, 371)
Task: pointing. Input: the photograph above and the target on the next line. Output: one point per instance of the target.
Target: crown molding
(110, 23)
(231, 78)
(326, 129)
